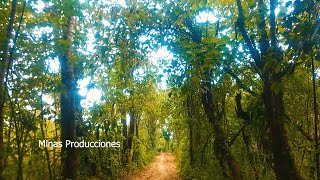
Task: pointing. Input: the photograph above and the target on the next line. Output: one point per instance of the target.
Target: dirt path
(163, 167)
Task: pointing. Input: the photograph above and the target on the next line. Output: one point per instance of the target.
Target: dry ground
(163, 167)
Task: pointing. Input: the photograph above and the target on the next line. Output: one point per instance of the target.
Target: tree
(5, 65)
(69, 74)
(271, 66)
(68, 112)
(200, 48)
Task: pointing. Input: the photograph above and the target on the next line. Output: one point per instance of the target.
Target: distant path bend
(163, 167)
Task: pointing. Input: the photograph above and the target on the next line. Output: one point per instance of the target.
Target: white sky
(156, 57)
(204, 16)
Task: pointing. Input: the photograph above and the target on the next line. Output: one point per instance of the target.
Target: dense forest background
(228, 86)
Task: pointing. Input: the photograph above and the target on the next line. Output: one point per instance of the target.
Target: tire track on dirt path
(163, 167)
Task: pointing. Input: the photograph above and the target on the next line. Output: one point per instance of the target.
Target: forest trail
(163, 167)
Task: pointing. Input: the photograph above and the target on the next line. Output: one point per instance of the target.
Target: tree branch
(235, 136)
(263, 40)
(239, 82)
(240, 23)
(10, 60)
(239, 110)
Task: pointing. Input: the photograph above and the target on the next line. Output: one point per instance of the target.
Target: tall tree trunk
(68, 116)
(284, 164)
(3, 67)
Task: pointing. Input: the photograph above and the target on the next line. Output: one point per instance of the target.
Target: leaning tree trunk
(228, 163)
(68, 115)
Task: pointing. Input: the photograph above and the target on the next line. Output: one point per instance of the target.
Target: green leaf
(210, 40)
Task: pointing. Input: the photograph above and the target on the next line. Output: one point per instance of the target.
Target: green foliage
(210, 59)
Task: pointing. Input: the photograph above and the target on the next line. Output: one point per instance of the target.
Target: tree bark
(284, 164)
(228, 163)
(68, 115)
